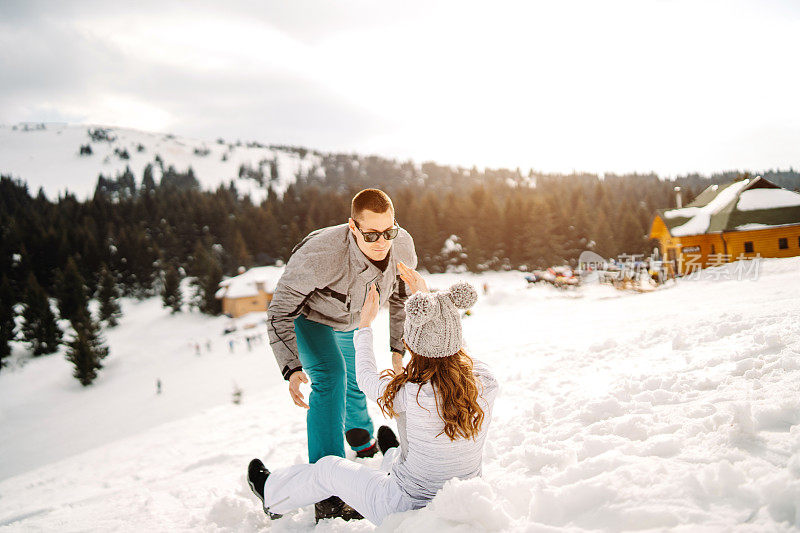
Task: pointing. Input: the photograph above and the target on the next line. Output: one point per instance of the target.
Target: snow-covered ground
(677, 409)
(50, 158)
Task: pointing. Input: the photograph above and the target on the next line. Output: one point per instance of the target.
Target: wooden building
(248, 292)
(749, 218)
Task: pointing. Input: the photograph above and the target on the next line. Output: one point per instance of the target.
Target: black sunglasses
(373, 236)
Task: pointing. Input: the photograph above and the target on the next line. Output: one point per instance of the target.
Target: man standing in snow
(313, 314)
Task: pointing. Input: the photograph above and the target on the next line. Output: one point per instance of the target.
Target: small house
(250, 291)
(745, 219)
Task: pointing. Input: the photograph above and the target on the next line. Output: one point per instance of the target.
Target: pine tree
(7, 334)
(241, 255)
(126, 184)
(108, 295)
(191, 181)
(71, 291)
(536, 253)
(471, 245)
(208, 274)
(148, 183)
(632, 236)
(86, 349)
(39, 329)
(102, 188)
(273, 171)
(210, 285)
(171, 293)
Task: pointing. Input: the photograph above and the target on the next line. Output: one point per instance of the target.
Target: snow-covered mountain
(677, 410)
(49, 156)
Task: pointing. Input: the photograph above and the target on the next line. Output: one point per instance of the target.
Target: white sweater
(428, 459)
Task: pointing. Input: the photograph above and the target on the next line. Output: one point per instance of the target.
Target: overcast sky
(669, 86)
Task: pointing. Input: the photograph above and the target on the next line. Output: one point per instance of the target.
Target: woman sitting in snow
(442, 401)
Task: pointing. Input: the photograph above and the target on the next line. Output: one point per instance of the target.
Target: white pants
(373, 493)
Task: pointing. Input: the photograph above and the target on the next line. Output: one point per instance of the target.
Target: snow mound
(469, 505)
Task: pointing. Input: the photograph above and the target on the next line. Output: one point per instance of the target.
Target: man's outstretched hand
(412, 278)
(294, 388)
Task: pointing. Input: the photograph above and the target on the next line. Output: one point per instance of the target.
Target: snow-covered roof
(752, 225)
(244, 284)
(748, 204)
(767, 199)
(700, 217)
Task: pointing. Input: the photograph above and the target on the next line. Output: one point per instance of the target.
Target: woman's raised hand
(370, 309)
(412, 278)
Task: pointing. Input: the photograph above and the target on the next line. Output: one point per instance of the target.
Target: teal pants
(336, 404)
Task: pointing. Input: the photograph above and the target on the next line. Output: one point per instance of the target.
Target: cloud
(642, 85)
(194, 75)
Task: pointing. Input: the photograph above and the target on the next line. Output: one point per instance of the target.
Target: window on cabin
(783, 243)
(748, 247)
(713, 250)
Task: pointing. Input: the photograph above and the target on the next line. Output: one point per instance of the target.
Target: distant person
(230, 345)
(158, 386)
(314, 312)
(443, 403)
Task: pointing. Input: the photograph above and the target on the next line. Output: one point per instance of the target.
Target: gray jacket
(326, 280)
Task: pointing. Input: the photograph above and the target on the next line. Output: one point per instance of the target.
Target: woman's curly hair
(455, 387)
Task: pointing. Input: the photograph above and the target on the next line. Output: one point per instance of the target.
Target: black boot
(257, 475)
(386, 439)
(358, 437)
(334, 507)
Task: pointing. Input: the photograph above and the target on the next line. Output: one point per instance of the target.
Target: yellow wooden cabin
(249, 292)
(749, 218)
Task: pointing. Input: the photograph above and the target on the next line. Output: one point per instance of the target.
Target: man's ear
(352, 224)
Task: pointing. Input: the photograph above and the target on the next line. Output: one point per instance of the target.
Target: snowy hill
(677, 409)
(49, 156)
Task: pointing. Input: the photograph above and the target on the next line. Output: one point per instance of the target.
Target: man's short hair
(374, 200)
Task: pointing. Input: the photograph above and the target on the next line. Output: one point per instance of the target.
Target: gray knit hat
(433, 324)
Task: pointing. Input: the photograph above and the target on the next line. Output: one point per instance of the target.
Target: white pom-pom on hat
(420, 308)
(463, 295)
